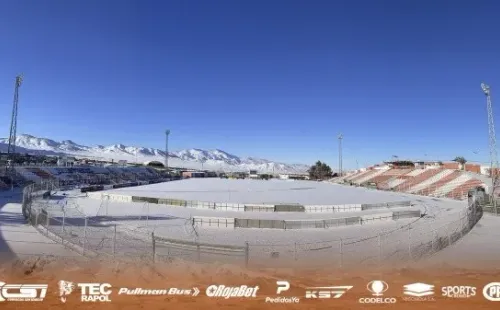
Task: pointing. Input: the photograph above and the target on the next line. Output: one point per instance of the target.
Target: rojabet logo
(231, 291)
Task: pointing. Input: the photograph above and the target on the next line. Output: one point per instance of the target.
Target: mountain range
(189, 158)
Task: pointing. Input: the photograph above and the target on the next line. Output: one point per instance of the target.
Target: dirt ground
(188, 275)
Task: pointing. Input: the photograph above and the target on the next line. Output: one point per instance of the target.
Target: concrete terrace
(18, 239)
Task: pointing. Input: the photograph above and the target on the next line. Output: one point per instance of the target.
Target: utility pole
(167, 132)
(492, 144)
(340, 137)
(11, 151)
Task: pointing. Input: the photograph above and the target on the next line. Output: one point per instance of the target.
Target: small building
(398, 164)
(66, 161)
(193, 174)
(298, 177)
(210, 174)
(253, 174)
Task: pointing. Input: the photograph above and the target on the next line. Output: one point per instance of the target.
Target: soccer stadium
(386, 214)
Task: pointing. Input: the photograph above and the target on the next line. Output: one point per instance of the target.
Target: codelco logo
(231, 291)
(377, 288)
(22, 292)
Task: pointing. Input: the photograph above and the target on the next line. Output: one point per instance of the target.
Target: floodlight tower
(11, 151)
(167, 132)
(492, 142)
(340, 137)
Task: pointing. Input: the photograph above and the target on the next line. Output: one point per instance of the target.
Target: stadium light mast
(340, 137)
(11, 151)
(492, 143)
(167, 132)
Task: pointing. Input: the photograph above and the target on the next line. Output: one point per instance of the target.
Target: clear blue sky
(271, 79)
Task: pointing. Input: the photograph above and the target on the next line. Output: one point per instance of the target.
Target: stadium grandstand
(428, 178)
(91, 175)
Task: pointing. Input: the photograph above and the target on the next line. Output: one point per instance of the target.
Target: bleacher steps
(450, 186)
(430, 181)
(370, 176)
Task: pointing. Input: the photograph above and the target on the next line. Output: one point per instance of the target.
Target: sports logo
(458, 291)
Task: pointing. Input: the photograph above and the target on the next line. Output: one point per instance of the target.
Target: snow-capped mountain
(191, 158)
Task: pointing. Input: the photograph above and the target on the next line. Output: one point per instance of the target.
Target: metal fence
(64, 221)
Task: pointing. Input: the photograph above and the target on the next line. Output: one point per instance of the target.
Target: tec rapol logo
(377, 288)
(22, 292)
(90, 292)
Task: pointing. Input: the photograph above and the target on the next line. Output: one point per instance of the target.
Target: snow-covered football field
(387, 240)
(139, 219)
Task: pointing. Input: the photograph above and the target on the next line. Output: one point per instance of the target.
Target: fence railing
(64, 221)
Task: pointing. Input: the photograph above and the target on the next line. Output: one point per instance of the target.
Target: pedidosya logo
(492, 291)
(232, 291)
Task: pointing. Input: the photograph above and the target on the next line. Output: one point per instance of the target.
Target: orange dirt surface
(184, 275)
